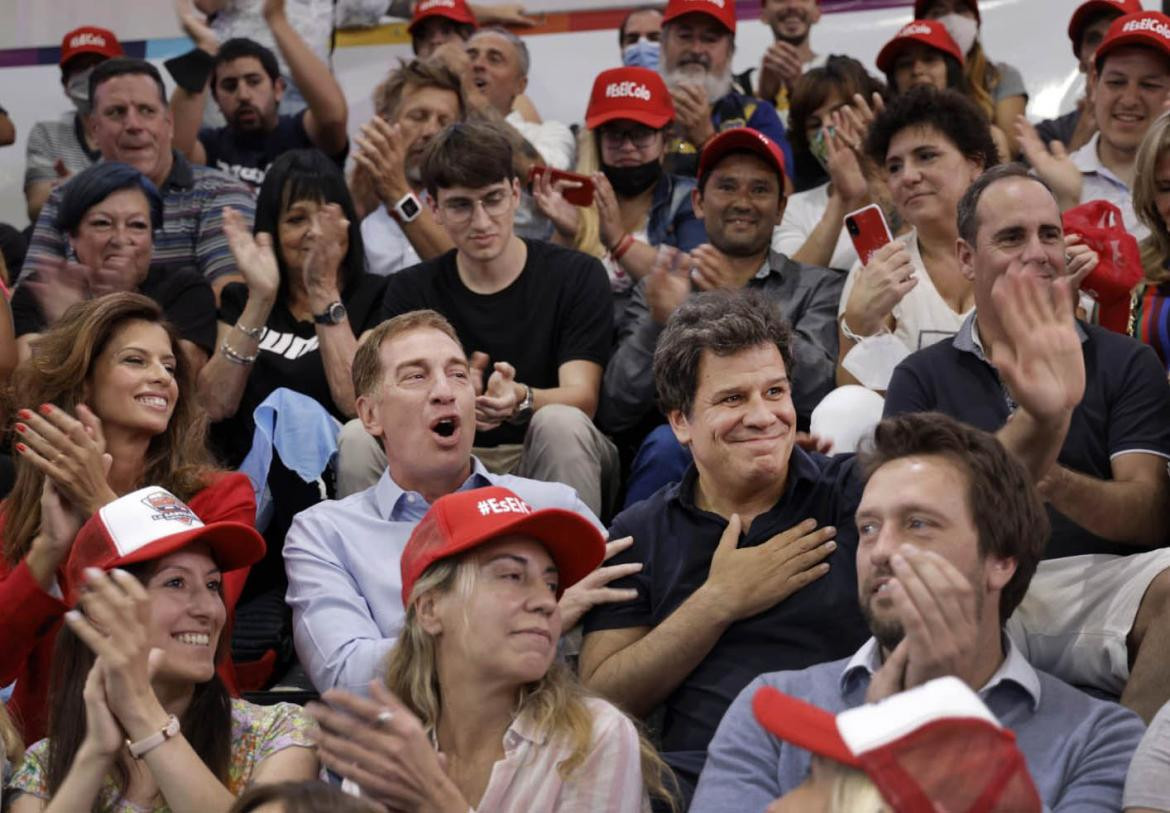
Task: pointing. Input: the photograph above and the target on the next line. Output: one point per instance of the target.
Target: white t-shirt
(923, 317)
(387, 248)
(801, 216)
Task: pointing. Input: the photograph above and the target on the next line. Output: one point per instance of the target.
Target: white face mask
(77, 89)
(963, 30)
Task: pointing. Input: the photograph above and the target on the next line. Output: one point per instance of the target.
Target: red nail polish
(20, 447)
(46, 409)
(24, 414)
(21, 428)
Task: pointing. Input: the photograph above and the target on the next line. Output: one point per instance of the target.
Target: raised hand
(710, 269)
(594, 589)
(498, 401)
(381, 153)
(609, 213)
(329, 242)
(880, 286)
(692, 112)
(668, 284)
(781, 64)
(69, 451)
(1080, 259)
(57, 285)
(272, 9)
(550, 199)
(1052, 163)
(844, 163)
(478, 365)
(103, 734)
(253, 254)
(194, 25)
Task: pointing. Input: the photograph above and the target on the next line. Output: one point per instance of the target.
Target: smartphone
(868, 230)
(578, 195)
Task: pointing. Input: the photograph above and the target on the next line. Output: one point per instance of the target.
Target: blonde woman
(476, 712)
(1150, 308)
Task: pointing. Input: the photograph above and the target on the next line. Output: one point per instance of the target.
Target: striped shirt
(192, 229)
(49, 141)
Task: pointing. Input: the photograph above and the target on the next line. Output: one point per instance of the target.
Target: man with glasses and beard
(698, 41)
(534, 318)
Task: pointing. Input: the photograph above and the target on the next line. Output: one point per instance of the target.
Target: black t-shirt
(288, 357)
(181, 291)
(1126, 408)
(675, 541)
(247, 155)
(558, 310)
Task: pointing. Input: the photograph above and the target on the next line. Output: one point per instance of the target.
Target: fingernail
(46, 409)
(21, 428)
(24, 413)
(898, 560)
(93, 572)
(20, 447)
(73, 615)
(831, 545)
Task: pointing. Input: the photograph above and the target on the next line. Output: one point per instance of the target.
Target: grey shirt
(807, 296)
(1148, 782)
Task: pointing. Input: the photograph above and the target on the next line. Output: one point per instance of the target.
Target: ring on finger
(383, 717)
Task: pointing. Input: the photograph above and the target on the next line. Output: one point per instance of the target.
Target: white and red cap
(920, 7)
(454, 10)
(1149, 29)
(1091, 8)
(741, 139)
(89, 39)
(930, 33)
(932, 748)
(637, 94)
(722, 10)
(148, 524)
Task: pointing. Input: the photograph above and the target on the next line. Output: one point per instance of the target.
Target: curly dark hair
(952, 114)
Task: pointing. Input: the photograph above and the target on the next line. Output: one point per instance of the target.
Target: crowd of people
(795, 439)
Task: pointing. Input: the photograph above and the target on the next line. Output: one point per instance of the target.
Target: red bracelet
(622, 247)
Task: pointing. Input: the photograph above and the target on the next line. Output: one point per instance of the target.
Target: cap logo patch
(627, 90)
(427, 5)
(87, 38)
(1150, 24)
(915, 28)
(170, 508)
(507, 505)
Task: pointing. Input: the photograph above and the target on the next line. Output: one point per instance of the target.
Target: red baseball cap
(467, 519)
(149, 524)
(638, 94)
(931, 33)
(1146, 28)
(455, 10)
(1092, 8)
(89, 39)
(920, 7)
(931, 748)
(721, 10)
(740, 139)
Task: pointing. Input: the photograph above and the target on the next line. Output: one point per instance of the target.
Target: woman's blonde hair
(556, 702)
(984, 78)
(1156, 247)
(589, 229)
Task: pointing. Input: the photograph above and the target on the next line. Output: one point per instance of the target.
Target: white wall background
(1029, 34)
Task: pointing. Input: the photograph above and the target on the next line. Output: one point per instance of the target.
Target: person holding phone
(637, 205)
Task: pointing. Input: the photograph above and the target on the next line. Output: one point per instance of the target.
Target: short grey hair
(517, 43)
(724, 322)
(968, 215)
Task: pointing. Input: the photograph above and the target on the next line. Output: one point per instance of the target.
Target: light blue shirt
(1077, 748)
(344, 581)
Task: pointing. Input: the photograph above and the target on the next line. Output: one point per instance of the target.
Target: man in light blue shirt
(950, 530)
(415, 394)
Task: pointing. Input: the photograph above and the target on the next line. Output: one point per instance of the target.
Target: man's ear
(278, 88)
(680, 426)
(966, 254)
(697, 202)
(366, 407)
(998, 572)
(426, 610)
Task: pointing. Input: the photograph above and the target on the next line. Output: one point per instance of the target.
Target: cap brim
(655, 120)
(574, 543)
(802, 724)
(453, 17)
(1137, 38)
(233, 545)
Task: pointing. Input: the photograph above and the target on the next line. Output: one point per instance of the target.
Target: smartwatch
(523, 411)
(408, 208)
(334, 313)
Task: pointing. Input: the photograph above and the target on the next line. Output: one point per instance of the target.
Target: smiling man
(791, 54)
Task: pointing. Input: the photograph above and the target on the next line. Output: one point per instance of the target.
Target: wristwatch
(523, 412)
(334, 313)
(407, 209)
(147, 744)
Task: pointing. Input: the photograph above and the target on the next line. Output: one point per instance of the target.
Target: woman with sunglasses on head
(141, 720)
(104, 406)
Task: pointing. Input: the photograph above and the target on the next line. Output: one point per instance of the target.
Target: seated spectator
(698, 40)
(923, 53)
(538, 386)
(950, 529)
(109, 213)
(998, 87)
(247, 86)
(140, 715)
(932, 145)
(812, 229)
(1096, 612)
(415, 396)
(475, 681)
(790, 53)
(1129, 86)
(640, 37)
(1147, 786)
(417, 100)
(306, 298)
(106, 407)
(57, 149)
(437, 22)
(622, 151)
(1087, 30)
(193, 196)
(740, 198)
(312, 796)
(1151, 203)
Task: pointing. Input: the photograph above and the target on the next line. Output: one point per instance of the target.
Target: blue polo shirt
(675, 540)
(1126, 409)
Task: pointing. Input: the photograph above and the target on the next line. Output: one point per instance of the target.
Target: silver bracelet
(853, 337)
(234, 357)
(250, 332)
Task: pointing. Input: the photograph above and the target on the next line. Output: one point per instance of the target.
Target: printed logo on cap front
(627, 90)
(915, 28)
(87, 38)
(427, 5)
(170, 507)
(506, 505)
(1151, 24)
(145, 516)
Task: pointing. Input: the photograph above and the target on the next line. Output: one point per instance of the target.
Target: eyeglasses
(640, 137)
(459, 211)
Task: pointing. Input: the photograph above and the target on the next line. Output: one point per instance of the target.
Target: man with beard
(698, 41)
(247, 85)
(950, 529)
(790, 55)
(740, 199)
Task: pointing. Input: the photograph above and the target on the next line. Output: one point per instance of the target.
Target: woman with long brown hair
(103, 406)
(476, 711)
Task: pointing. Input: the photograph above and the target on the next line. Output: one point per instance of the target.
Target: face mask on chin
(77, 89)
(963, 30)
(642, 54)
(629, 182)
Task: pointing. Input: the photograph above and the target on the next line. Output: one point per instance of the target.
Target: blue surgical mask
(642, 54)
